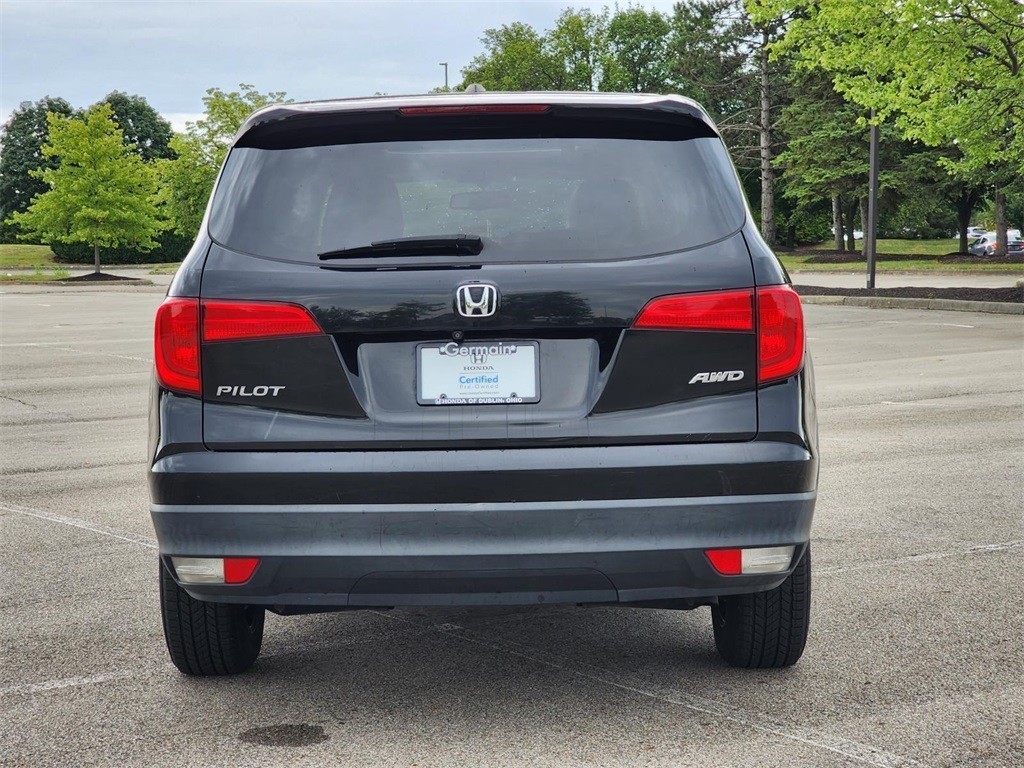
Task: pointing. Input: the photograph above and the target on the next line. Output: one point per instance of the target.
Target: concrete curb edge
(895, 302)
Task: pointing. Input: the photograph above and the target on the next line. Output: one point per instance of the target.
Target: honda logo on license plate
(476, 300)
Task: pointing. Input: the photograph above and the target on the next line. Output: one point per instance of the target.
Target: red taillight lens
(177, 345)
(473, 109)
(238, 570)
(780, 333)
(728, 562)
(236, 320)
(718, 311)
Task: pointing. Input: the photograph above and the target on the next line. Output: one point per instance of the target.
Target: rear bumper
(349, 536)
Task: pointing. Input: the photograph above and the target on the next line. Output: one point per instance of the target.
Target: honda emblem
(476, 300)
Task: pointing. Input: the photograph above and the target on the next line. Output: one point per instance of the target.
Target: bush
(170, 248)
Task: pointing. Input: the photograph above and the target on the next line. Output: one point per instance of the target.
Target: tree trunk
(837, 222)
(1001, 224)
(851, 240)
(96, 258)
(791, 236)
(864, 226)
(764, 130)
(964, 210)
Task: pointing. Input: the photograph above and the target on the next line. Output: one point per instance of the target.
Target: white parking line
(67, 682)
(862, 753)
(853, 750)
(924, 556)
(89, 352)
(13, 344)
(134, 538)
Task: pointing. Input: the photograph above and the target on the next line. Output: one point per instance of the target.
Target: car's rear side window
(529, 199)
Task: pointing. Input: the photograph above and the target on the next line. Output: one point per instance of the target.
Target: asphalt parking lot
(915, 657)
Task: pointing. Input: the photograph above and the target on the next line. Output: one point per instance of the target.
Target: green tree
(21, 153)
(947, 73)
(638, 56)
(101, 191)
(142, 126)
(184, 183)
(514, 59)
(711, 60)
(578, 47)
(826, 154)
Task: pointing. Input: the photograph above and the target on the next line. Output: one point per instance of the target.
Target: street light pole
(445, 65)
(870, 237)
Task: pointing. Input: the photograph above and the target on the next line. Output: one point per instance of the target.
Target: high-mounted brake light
(780, 333)
(176, 351)
(473, 109)
(717, 311)
(236, 320)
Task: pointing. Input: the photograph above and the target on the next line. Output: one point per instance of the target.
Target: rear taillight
(733, 562)
(718, 311)
(474, 109)
(780, 333)
(181, 323)
(214, 570)
(235, 320)
(176, 350)
(779, 322)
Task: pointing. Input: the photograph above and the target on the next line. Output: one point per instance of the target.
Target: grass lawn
(919, 247)
(38, 276)
(40, 257)
(22, 256)
(795, 263)
(37, 257)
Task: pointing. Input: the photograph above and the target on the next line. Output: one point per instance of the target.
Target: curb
(895, 302)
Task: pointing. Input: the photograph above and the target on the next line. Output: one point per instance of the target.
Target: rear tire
(766, 629)
(208, 638)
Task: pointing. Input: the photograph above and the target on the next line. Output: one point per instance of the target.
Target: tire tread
(205, 638)
(764, 630)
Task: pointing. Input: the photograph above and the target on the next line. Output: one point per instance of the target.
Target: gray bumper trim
(512, 506)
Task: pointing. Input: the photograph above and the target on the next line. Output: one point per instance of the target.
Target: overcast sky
(171, 51)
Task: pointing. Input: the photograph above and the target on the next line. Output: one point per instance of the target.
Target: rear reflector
(733, 562)
(718, 311)
(780, 333)
(214, 570)
(474, 109)
(235, 320)
(176, 352)
(238, 570)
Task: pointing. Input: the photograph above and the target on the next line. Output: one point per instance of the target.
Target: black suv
(481, 349)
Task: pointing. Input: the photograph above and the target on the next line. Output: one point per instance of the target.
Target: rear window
(529, 199)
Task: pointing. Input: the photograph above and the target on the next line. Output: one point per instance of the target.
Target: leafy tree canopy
(101, 191)
(142, 126)
(947, 72)
(185, 182)
(710, 58)
(514, 59)
(638, 59)
(23, 137)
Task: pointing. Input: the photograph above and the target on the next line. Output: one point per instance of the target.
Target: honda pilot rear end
(481, 349)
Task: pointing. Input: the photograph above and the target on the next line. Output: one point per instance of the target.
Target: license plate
(478, 373)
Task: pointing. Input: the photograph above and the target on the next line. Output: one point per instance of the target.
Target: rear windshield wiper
(431, 245)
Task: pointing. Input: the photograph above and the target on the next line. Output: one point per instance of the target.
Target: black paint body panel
(607, 490)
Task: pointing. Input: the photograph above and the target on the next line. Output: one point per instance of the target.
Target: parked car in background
(976, 231)
(988, 244)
